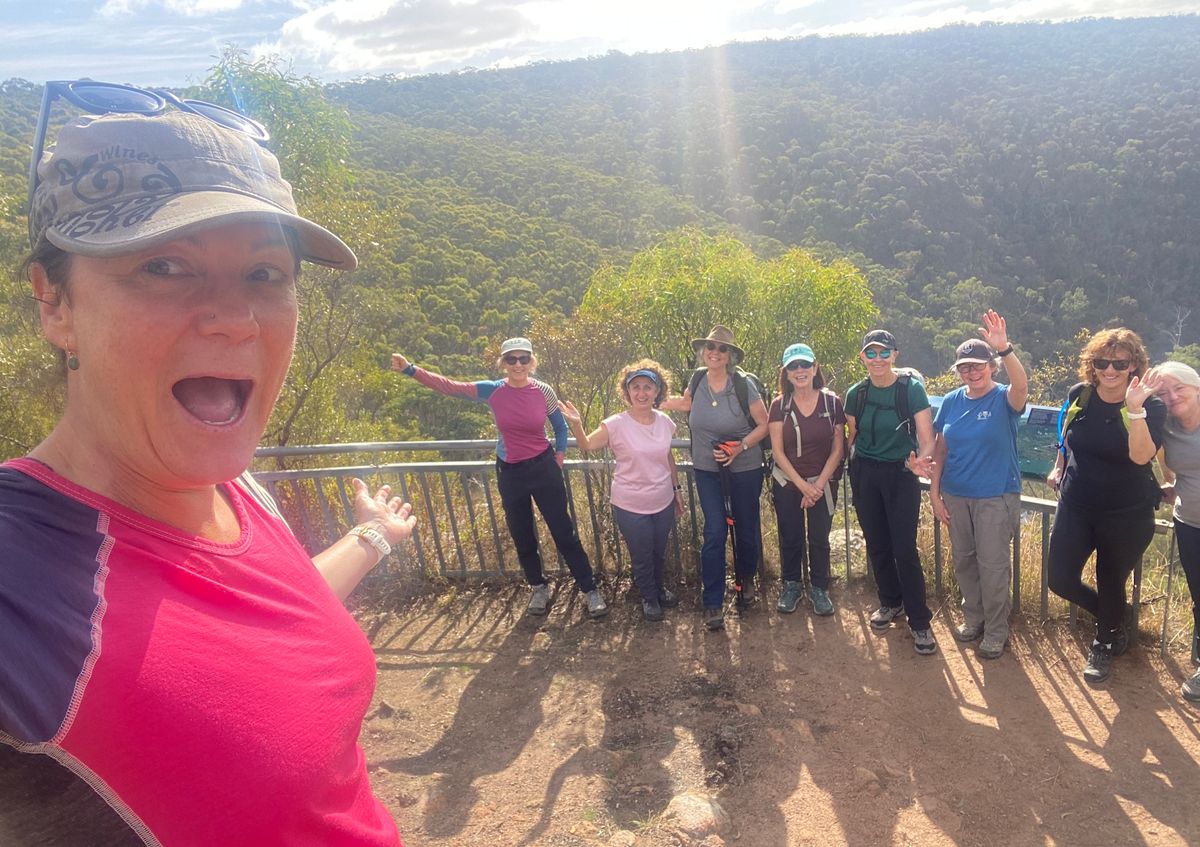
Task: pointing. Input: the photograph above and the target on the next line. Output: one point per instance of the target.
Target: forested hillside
(1049, 171)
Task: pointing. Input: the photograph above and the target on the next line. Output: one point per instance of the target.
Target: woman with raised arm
(177, 669)
(646, 495)
(807, 425)
(1179, 388)
(975, 484)
(1111, 429)
(528, 466)
(728, 420)
(891, 438)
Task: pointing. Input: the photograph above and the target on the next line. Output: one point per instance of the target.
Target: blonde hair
(1113, 339)
(664, 380)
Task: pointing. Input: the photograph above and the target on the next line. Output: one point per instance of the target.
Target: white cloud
(188, 8)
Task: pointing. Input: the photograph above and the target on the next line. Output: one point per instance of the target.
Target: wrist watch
(745, 446)
(1007, 351)
(374, 537)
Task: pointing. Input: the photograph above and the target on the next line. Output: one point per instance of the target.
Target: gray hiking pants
(981, 534)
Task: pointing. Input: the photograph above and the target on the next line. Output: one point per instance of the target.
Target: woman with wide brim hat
(186, 671)
(728, 463)
(528, 466)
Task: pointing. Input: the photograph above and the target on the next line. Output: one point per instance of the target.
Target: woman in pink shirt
(646, 494)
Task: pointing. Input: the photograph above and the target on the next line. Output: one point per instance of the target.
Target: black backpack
(740, 388)
(903, 412)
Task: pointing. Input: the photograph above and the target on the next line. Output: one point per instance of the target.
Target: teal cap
(798, 351)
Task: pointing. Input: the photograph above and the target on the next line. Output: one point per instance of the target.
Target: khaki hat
(720, 335)
(519, 344)
(120, 183)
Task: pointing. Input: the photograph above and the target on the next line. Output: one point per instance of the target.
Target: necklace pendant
(714, 403)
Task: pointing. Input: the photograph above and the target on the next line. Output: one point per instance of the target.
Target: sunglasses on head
(712, 346)
(1118, 364)
(970, 367)
(878, 352)
(798, 364)
(523, 359)
(103, 98)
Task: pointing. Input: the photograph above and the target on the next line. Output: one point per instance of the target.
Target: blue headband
(648, 374)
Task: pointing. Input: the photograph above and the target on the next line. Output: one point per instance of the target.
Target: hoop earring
(72, 361)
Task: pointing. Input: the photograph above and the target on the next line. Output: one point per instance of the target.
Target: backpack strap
(742, 390)
(903, 411)
(697, 375)
(1077, 400)
(860, 399)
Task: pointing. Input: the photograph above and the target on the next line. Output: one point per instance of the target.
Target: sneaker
(967, 633)
(990, 648)
(881, 618)
(652, 610)
(822, 605)
(597, 608)
(923, 642)
(539, 603)
(1099, 663)
(667, 599)
(789, 598)
(1191, 688)
(714, 619)
(1120, 642)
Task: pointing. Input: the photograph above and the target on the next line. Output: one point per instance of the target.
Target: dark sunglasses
(970, 367)
(719, 348)
(517, 360)
(798, 364)
(878, 353)
(1118, 364)
(103, 98)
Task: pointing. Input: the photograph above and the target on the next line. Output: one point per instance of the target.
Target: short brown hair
(664, 380)
(1113, 339)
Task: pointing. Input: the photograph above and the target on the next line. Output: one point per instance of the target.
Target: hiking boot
(667, 599)
(1191, 688)
(714, 619)
(881, 618)
(967, 633)
(539, 603)
(1099, 663)
(652, 610)
(597, 608)
(789, 598)
(990, 648)
(747, 596)
(822, 605)
(923, 642)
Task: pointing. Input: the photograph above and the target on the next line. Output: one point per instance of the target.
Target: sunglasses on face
(878, 352)
(971, 367)
(517, 360)
(1117, 364)
(717, 348)
(103, 98)
(798, 364)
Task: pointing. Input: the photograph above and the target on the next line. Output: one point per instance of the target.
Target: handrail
(460, 537)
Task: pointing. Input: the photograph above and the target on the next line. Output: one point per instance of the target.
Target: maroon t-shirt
(817, 431)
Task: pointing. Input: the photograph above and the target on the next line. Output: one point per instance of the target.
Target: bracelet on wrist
(1007, 351)
(374, 537)
(1137, 416)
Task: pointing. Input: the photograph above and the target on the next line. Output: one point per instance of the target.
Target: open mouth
(213, 400)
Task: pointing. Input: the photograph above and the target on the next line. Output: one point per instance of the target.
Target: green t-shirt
(880, 434)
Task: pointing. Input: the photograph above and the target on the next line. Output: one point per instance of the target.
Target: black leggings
(1118, 540)
(1188, 538)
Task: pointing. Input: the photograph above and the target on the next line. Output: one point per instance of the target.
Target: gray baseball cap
(518, 344)
(120, 183)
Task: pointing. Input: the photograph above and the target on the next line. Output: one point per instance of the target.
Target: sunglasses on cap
(103, 98)
(713, 347)
(523, 359)
(878, 353)
(1117, 364)
(798, 364)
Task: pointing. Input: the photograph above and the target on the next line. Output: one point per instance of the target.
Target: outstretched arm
(440, 384)
(597, 440)
(353, 556)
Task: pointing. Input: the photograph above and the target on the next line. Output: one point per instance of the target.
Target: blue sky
(173, 42)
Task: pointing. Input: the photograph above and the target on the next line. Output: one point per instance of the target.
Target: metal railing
(461, 533)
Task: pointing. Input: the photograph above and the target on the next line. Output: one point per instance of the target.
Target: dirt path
(494, 729)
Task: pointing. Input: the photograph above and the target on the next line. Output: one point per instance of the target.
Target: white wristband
(373, 537)
(1137, 416)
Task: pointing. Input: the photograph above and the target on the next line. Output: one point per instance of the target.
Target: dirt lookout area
(493, 728)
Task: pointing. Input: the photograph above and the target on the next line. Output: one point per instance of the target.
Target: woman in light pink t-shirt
(646, 494)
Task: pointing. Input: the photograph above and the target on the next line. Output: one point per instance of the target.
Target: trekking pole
(726, 476)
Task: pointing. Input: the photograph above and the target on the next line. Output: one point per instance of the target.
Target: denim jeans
(646, 536)
(745, 490)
